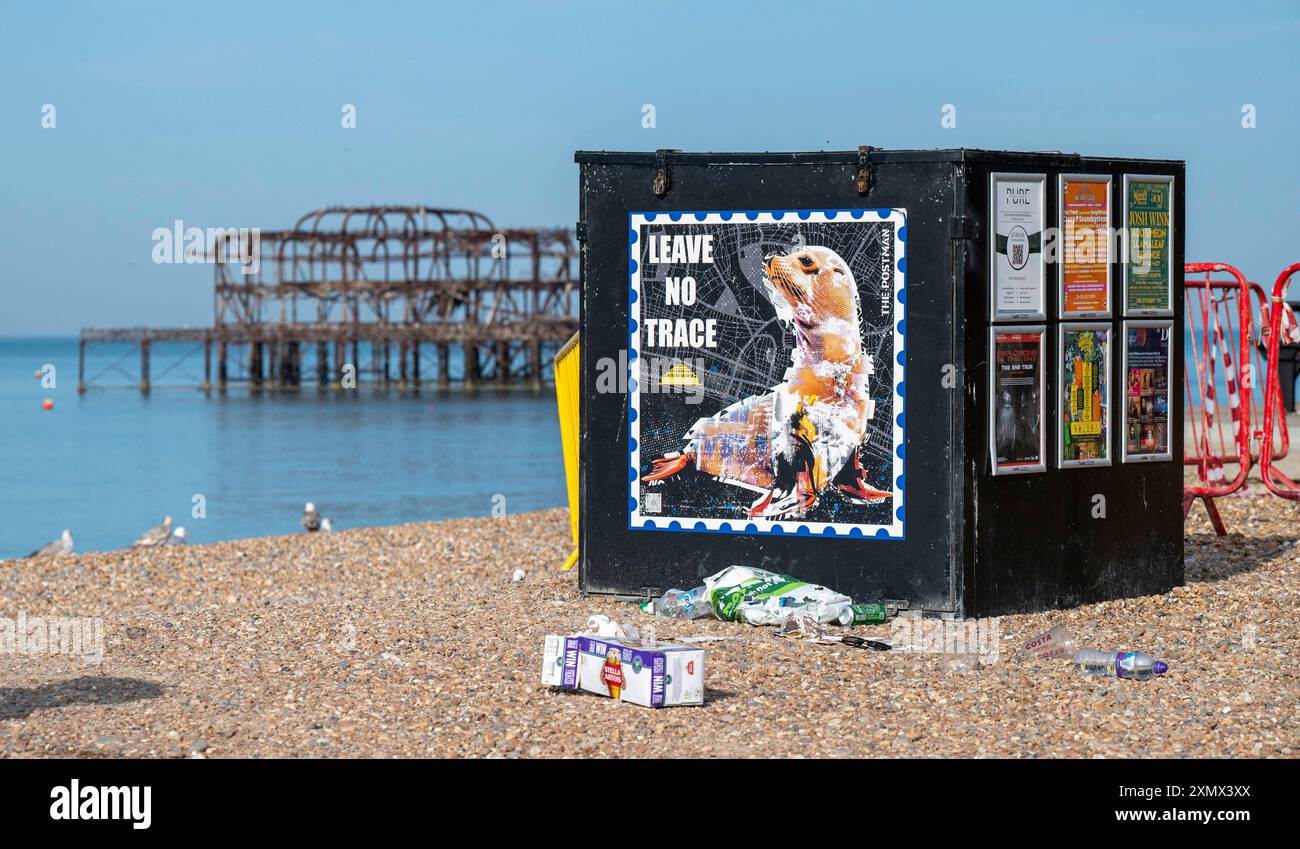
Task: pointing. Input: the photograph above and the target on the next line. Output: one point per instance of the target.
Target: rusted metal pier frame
(395, 278)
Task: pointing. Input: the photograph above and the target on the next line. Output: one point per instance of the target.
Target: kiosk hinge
(863, 177)
(961, 227)
(663, 172)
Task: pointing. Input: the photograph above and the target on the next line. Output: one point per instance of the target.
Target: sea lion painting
(802, 439)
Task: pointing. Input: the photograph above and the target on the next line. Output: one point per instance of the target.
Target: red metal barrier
(1277, 483)
(1223, 311)
(1215, 352)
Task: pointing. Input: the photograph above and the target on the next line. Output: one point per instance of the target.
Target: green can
(863, 614)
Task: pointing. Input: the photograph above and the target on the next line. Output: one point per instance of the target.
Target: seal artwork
(804, 436)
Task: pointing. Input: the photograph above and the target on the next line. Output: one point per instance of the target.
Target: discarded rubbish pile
(613, 660)
(759, 597)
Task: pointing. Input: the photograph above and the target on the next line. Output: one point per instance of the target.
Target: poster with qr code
(766, 350)
(1016, 246)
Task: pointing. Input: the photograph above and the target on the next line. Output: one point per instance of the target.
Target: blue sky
(229, 114)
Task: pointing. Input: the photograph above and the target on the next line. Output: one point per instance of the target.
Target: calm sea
(110, 464)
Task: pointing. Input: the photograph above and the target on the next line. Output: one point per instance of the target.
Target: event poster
(1085, 395)
(1017, 242)
(1146, 400)
(1085, 246)
(767, 353)
(1148, 222)
(1016, 433)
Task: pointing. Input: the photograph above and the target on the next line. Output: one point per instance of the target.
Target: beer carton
(660, 676)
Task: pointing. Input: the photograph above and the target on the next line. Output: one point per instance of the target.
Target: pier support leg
(535, 364)
(340, 348)
(293, 365)
(471, 365)
(81, 366)
(221, 366)
(255, 364)
(402, 350)
(444, 366)
(503, 362)
(275, 355)
(207, 365)
(322, 363)
(415, 363)
(144, 365)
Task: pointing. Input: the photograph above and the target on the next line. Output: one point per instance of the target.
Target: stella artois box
(662, 676)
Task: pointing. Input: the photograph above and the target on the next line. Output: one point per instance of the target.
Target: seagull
(325, 525)
(177, 537)
(310, 518)
(59, 547)
(155, 536)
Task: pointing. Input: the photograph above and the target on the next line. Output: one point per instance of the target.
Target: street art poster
(1085, 395)
(1146, 398)
(766, 349)
(1016, 258)
(1084, 263)
(1148, 266)
(1016, 434)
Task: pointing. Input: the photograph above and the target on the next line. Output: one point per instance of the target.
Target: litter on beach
(760, 597)
(660, 676)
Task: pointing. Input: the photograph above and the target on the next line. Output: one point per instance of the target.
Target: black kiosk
(940, 377)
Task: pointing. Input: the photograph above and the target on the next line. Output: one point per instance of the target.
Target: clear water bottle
(1133, 664)
(680, 604)
(1054, 644)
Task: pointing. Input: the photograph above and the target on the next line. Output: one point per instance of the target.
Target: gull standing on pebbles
(57, 548)
(310, 519)
(178, 537)
(325, 525)
(155, 536)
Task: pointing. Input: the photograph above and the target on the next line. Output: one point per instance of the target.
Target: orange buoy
(47, 404)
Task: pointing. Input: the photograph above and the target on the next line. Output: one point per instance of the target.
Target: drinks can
(863, 614)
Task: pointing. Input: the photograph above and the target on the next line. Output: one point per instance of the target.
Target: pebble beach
(413, 641)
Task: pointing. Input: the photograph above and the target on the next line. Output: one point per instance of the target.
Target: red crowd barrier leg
(1217, 346)
(1277, 483)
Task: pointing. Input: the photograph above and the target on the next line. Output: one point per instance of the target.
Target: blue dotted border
(900, 396)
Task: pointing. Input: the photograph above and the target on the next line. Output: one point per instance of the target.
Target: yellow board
(567, 379)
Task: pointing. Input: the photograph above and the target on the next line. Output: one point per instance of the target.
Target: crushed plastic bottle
(1134, 664)
(960, 662)
(1053, 644)
(680, 604)
(800, 623)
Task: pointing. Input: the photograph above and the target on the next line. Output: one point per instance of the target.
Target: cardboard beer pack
(661, 676)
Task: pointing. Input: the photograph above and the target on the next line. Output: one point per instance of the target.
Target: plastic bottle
(1135, 664)
(1056, 643)
(680, 604)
